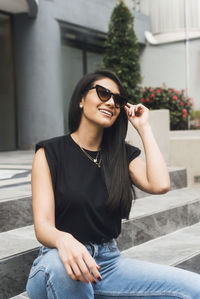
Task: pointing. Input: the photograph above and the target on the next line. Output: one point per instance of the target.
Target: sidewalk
(15, 174)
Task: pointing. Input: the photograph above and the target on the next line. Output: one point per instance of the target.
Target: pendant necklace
(95, 160)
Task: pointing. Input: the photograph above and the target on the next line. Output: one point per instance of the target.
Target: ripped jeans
(122, 278)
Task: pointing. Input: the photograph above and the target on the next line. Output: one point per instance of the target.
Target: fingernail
(99, 278)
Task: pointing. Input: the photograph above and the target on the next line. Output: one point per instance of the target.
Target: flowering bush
(174, 100)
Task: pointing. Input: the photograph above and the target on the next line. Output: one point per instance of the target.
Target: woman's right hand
(77, 260)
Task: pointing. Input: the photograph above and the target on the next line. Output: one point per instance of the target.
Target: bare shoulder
(40, 168)
(39, 159)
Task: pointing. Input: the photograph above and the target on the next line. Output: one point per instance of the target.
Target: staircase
(162, 228)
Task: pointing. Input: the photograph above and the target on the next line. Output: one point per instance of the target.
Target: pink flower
(142, 100)
(152, 95)
(184, 111)
(174, 98)
(151, 90)
(182, 104)
(158, 90)
(178, 92)
(147, 100)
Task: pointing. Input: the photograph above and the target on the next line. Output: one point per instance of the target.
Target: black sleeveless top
(80, 191)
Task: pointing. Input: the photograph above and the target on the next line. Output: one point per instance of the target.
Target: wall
(184, 151)
(166, 64)
(38, 56)
(159, 121)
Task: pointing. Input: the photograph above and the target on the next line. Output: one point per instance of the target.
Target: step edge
(160, 237)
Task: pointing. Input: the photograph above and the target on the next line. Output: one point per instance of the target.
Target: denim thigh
(125, 278)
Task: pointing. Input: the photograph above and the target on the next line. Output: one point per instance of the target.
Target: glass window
(82, 51)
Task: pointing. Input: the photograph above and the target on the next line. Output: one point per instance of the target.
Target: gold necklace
(92, 159)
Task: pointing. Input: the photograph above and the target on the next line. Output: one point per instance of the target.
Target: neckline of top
(74, 142)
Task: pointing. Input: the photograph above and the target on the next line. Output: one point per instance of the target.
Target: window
(82, 50)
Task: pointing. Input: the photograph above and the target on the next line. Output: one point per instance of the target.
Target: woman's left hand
(138, 114)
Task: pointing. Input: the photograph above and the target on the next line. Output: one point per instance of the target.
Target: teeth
(106, 112)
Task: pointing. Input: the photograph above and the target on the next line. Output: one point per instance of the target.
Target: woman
(82, 188)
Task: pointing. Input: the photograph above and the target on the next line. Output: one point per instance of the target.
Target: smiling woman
(81, 191)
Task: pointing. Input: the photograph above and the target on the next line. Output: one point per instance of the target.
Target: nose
(110, 102)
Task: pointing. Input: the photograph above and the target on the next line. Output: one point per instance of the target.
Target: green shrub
(176, 101)
(122, 50)
(195, 119)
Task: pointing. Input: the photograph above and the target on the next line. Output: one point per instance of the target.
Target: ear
(81, 104)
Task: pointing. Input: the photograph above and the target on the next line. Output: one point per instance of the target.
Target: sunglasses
(105, 94)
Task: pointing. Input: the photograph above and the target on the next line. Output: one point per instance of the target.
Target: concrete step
(15, 196)
(180, 248)
(15, 199)
(157, 215)
(21, 296)
(15, 213)
(18, 249)
(15, 206)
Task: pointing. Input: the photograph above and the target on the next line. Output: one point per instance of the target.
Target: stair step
(156, 215)
(21, 296)
(15, 213)
(17, 241)
(18, 249)
(15, 207)
(179, 249)
(15, 198)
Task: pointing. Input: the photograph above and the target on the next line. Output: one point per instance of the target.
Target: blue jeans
(122, 278)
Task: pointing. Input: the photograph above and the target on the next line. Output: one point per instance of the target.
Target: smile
(106, 112)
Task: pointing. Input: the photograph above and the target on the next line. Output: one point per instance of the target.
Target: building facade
(45, 48)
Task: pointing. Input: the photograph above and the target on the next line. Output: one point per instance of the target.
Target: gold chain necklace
(92, 159)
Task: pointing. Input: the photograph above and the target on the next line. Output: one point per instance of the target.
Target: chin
(106, 124)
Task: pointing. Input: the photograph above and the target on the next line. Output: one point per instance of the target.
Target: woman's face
(100, 113)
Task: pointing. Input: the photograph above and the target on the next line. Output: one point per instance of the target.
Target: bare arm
(43, 202)
(73, 254)
(151, 176)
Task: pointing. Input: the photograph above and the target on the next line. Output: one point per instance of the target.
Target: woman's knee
(36, 284)
(46, 269)
(49, 279)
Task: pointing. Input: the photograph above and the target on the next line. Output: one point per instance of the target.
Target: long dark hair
(113, 149)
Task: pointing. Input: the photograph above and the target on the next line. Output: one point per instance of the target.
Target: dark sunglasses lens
(120, 101)
(103, 94)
